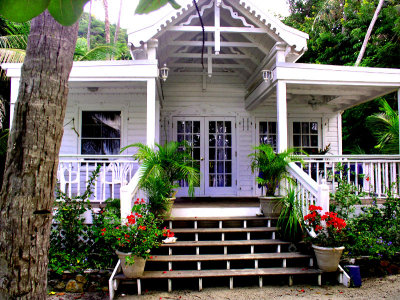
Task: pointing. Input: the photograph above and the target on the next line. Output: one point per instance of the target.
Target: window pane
(228, 141)
(220, 126)
(196, 127)
(314, 127)
(305, 127)
(188, 127)
(263, 128)
(228, 180)
(272, 127)
(314, 141)
(305, 141)
(211, 168)
(211, 127)
(211, 140)
(101, 132)
(296, 141)
(228, 167)
(196, 140)
(296, 127)
(181, 127)
(228, 127)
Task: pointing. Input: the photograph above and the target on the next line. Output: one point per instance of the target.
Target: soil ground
(372, 288)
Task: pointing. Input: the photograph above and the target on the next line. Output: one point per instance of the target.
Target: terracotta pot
(271, 206)
(328, 257)
(166, 213)
(134, 270)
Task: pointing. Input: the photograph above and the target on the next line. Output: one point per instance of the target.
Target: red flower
(318, 228)
(142, 227)
(367, 179)
(103, 230)
(102, 233)
(131, 219)
(314, 208)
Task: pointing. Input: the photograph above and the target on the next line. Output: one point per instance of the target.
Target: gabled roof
(292, 37)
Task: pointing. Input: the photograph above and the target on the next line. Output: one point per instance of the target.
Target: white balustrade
(372, 174)
(116, 171)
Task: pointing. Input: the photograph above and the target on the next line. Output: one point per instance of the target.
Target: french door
(213, 148)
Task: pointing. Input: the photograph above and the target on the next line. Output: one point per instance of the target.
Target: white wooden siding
(130, 101)
(224, 97)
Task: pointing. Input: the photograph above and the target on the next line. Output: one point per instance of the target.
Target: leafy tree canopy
(337, 29)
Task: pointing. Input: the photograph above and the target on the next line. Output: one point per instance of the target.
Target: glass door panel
(219, 161)
(189, 130)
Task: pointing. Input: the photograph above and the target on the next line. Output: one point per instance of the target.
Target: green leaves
(22, 10)
(147, 6)
(65, 12)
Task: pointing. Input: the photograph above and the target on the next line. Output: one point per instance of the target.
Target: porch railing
(116, 171)
(372, 174)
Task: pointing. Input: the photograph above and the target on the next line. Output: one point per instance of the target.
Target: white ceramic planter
(328, 258)
(271, 206)
(134, 270)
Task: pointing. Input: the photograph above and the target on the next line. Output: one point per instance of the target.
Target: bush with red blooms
(328, 228)
(138, 234)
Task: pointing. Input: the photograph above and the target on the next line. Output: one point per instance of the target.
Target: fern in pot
(271, 168)
(162, 168)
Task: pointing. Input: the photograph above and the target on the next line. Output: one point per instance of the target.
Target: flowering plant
(138, 234)
(328, 228)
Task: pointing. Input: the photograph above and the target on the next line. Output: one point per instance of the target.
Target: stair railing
(130, 192)
(309, 191)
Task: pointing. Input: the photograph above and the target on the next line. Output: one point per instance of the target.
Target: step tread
(244, 218)
(226, 243)
(223, 230)
(226, 273)
(218, 257)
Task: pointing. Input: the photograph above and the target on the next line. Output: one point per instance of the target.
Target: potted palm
(134, 238)
(162, 168)
(272, 169)
(327, 237)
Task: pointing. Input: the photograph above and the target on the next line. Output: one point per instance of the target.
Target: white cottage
(216, 98)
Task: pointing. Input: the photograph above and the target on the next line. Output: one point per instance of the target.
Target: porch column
(398, 110)
(152, 46)
(13, 97)
(281, 110)
(151, 112)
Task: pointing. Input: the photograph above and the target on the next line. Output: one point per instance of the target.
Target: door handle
(201, 158)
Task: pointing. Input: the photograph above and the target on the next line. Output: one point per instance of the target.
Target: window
(305, 136)
(101, 132)
(267, 133)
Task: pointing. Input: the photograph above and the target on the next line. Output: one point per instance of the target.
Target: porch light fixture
(267, 75)
(164, 72)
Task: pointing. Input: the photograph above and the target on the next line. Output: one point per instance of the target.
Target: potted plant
(326, 236)
(291, 217)
(162, 169)
(134, 238)
(272, 169)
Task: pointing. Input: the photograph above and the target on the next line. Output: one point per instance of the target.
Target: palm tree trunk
(89, 25)
(106, 21)
(369, 31)
(118, 23)
(27, 195)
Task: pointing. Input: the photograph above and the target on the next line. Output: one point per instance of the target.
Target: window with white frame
(267, 133)
(305, 136)
(101, 132)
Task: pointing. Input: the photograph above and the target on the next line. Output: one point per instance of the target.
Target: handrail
(128, 192)
(352, 156)
(303, 178)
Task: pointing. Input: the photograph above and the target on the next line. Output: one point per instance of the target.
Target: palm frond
(385, 128)
(103, 52)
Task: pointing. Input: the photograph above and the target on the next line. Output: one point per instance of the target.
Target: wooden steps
(228, 257)
(224, 247)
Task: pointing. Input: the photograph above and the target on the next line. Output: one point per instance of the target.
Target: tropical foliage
(271, 166)
(165, 166)
(385, 127)
(290, 220)
(337, 29)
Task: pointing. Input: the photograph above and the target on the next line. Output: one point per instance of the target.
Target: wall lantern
(267, 75)
(164, 72)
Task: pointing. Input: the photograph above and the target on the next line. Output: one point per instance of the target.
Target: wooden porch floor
(201, 202)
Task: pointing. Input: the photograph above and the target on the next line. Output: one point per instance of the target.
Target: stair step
(226, 243)
(244, 218)
(225, 273)
(224, 230)
(219, 257)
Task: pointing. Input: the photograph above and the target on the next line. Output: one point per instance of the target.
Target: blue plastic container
(354, 272)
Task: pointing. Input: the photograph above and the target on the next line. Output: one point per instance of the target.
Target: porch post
(13, 97)
(398, 110)
(281, 110)
(151, 112)
(152, 46)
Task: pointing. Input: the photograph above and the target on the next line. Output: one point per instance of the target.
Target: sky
(130, 20)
